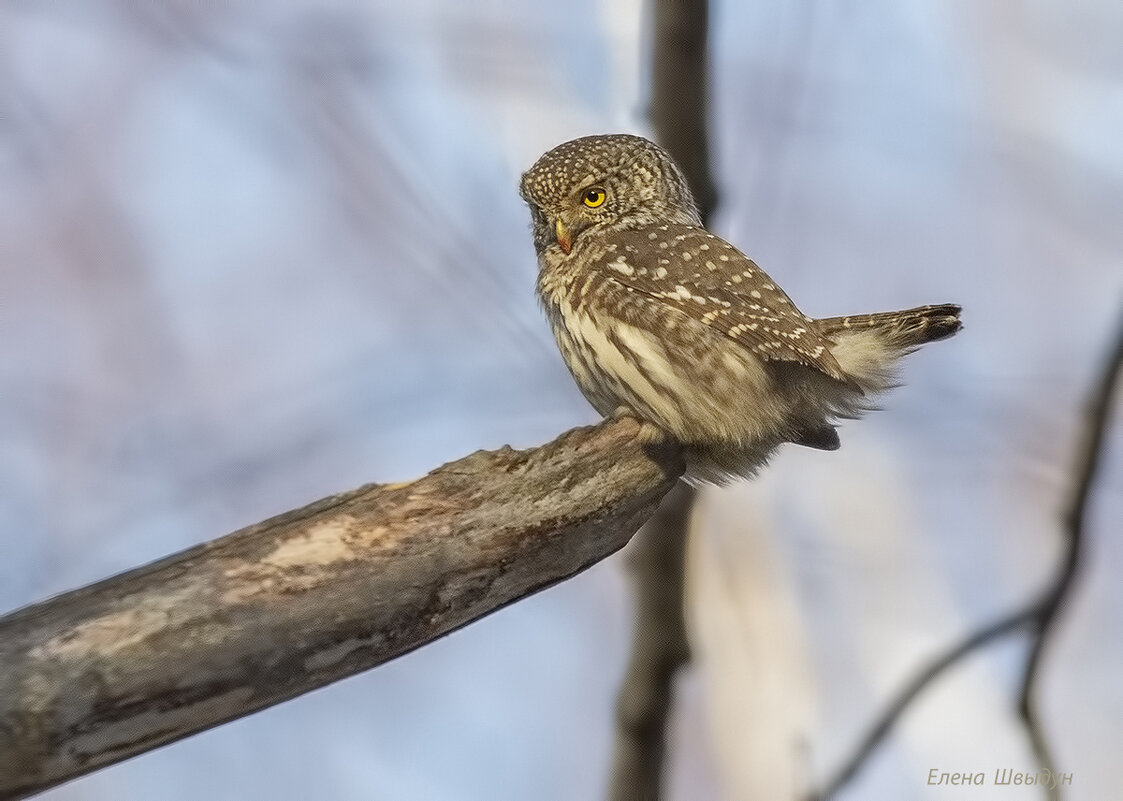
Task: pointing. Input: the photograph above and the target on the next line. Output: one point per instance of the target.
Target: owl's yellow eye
(594, 196)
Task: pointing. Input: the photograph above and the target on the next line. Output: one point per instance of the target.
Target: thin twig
(1039, 614)
(659, 648)
(915, 686)
(1088, 461)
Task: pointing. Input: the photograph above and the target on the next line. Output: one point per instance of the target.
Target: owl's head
(603, 184)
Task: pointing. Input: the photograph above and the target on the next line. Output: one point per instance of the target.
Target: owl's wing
(712, 282)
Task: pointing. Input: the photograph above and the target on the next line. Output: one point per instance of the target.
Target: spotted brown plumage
(706, 278)
(659, 318)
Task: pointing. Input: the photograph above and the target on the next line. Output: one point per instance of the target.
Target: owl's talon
(651, 434)
(623, 411)
(648, 434)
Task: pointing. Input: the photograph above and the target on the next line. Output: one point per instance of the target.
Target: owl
(659, 319)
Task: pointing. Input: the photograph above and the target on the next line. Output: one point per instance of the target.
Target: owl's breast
(615, 364)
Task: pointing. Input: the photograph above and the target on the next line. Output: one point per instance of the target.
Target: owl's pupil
(592, 196)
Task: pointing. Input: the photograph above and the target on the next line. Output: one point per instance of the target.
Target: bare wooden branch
(94, 676)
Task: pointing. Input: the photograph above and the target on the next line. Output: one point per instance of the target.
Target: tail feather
(902, 329)
(868, 346)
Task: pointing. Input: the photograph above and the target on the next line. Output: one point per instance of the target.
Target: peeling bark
(99, 674)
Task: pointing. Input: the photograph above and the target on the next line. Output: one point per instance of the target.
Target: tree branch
(96, 675)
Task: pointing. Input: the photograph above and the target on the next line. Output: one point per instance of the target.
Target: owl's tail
(868, 346)
(907, 329)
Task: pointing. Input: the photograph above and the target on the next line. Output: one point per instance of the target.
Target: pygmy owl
(659, 319)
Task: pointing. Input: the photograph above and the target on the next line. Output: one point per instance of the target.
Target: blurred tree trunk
(657, 557)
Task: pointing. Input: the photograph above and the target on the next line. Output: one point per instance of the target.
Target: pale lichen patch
(318, 546)
(114, 631)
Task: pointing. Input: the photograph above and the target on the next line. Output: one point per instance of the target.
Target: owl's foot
(649, 433)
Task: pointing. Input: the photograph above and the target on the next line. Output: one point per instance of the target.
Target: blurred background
(253, 254)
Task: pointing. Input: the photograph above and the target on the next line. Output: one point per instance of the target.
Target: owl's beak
(564, 239)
